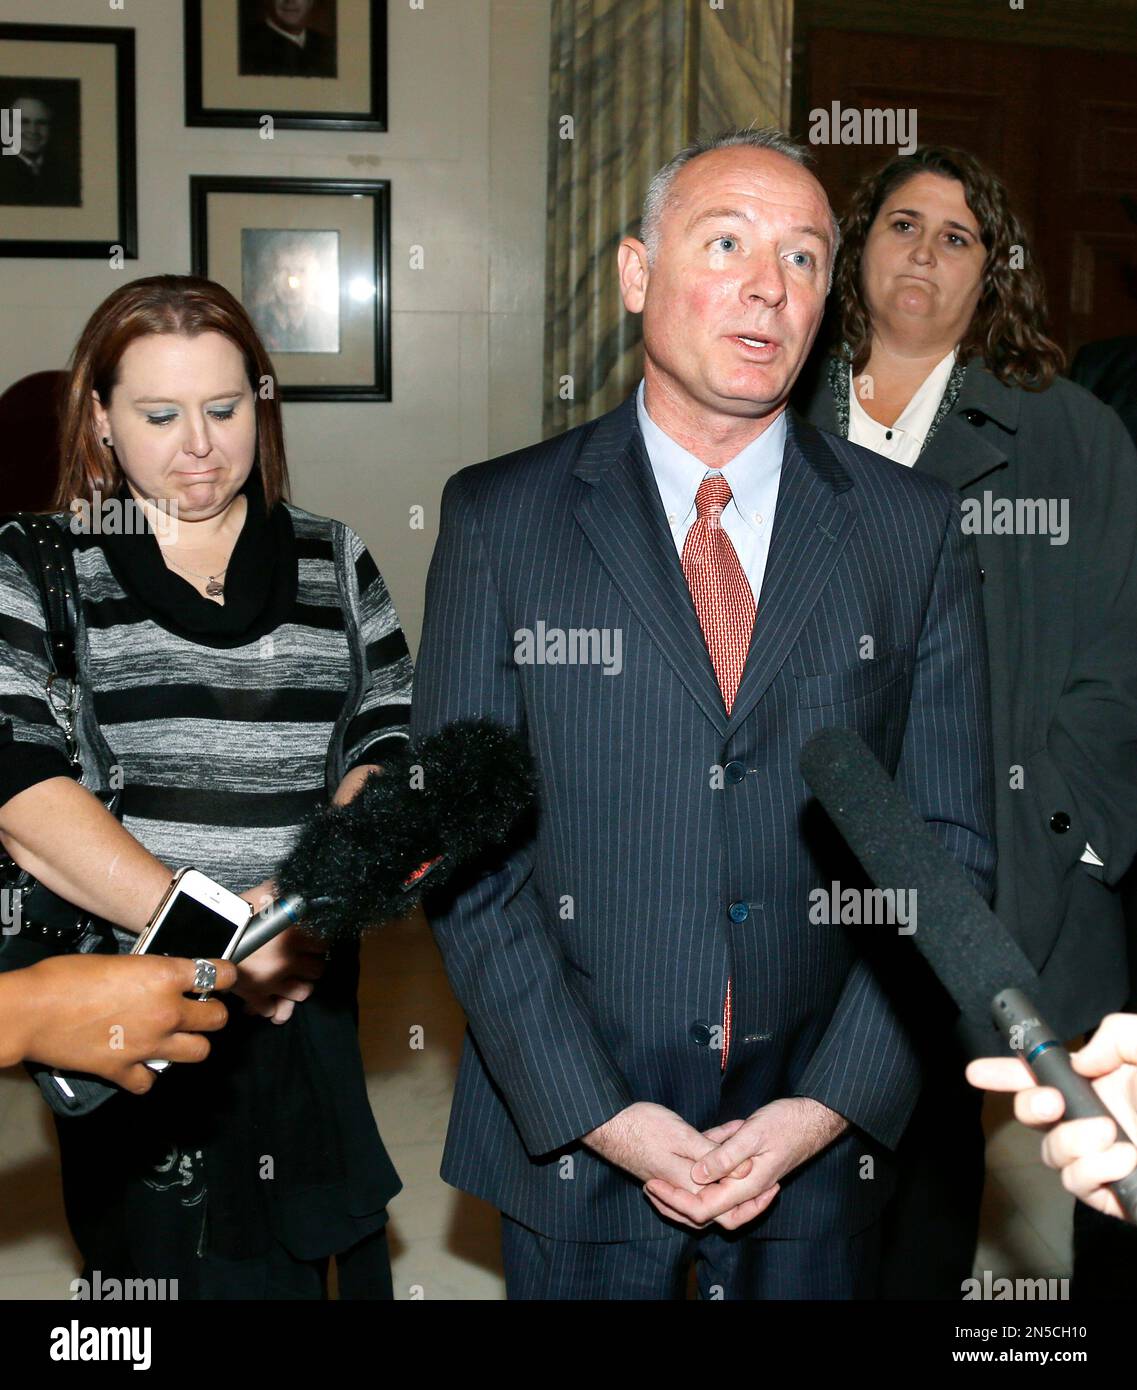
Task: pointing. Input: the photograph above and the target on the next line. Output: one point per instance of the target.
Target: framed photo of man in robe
(67, 142)
(301, 64)
(310, 259)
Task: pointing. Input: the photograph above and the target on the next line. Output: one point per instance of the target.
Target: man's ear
(631, 258)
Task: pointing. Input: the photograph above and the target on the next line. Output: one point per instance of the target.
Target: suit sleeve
(866, 1067)
(538, 1042)
(1089, 766)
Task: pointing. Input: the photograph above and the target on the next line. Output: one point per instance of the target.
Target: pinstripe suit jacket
(592, 959)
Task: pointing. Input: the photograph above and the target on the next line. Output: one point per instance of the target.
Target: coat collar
(961, 450)
(965, 447)
(983, 391)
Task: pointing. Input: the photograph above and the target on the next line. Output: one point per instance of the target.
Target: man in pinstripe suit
(668, 1061)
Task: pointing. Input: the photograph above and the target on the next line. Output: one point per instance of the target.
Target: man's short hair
(756, 138)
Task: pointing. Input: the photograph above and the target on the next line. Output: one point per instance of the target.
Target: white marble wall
(466, 157)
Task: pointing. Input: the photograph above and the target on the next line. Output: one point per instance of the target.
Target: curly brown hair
(184, 304)
(1007, 328)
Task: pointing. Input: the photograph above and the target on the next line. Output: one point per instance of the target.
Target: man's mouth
(756, 344)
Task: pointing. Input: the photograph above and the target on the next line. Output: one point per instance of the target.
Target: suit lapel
(812, 525)
(621, 514)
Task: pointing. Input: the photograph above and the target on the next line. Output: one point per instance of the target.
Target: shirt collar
(917, 416)
(299, 39)
(753, 474)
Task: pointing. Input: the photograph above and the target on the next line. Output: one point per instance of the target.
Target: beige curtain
(631, 81)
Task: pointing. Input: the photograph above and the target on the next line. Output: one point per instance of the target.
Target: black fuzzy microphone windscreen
(440, 801)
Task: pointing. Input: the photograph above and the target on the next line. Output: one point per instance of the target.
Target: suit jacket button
(739, 911)
(734, 771)
(1060, 822)
(701, 1033)
(974, 417)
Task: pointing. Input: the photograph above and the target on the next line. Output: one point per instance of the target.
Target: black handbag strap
(53, 571)
(54, 563)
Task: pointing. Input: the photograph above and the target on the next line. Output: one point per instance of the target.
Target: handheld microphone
(441, 800)
(270, 921)
(970, 951)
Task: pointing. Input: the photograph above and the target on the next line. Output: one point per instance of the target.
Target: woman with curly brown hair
(944, 365)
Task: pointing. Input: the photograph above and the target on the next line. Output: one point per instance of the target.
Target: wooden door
(1059, 126)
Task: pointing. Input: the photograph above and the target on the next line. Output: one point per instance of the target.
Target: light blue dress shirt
(754, 476)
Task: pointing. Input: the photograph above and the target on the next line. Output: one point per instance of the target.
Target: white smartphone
(196, 918)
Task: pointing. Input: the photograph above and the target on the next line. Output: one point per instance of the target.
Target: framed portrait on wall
(67, 141)
(310, 259)
(309, 64)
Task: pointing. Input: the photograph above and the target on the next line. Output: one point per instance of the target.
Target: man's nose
(764, 280)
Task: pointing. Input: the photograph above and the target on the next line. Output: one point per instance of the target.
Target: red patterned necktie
(724, 603)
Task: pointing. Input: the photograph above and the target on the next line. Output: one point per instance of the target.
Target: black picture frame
(374, 118)
(125, 234)
(379, 190)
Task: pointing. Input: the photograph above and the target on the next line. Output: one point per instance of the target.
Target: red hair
(182, 304)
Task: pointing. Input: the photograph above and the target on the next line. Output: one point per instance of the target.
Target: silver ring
(205, 978)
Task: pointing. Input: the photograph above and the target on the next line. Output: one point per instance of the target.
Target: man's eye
(803, 258)
(730, 242)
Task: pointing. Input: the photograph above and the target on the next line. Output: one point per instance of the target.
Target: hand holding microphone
(1090, 1153)
(440, 802)
(971, 952)
(282, 972)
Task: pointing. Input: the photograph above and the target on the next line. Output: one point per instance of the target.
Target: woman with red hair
(241, 664)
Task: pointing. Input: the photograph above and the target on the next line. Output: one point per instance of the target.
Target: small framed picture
(306, 64)
(310, 259)
(67, 141)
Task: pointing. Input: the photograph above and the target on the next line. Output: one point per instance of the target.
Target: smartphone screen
(191, 929)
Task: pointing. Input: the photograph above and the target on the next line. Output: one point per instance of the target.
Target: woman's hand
(282, 974)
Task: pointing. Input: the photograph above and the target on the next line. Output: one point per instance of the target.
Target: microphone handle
(1028, 1034)
(269, 922)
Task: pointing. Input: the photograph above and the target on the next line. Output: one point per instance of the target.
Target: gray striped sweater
(222, 744)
